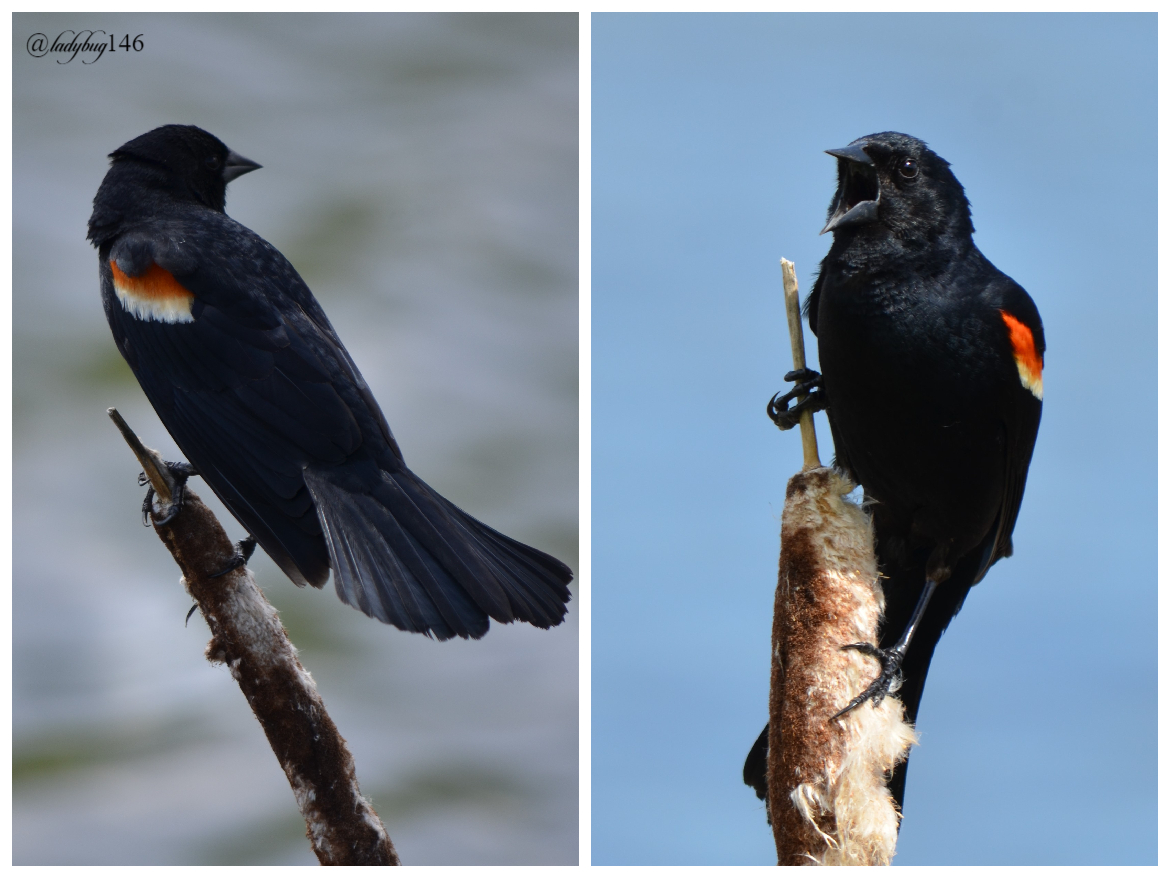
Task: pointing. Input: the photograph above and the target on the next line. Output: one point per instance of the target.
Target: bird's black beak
(853, 152)
(858, 192)
(235, 165)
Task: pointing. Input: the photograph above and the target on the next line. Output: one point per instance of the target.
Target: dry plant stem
(248, 637)
(827, 792)
(808, 433)
(152, 464)
(827, 778)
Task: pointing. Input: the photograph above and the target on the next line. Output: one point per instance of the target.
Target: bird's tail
(403, 554)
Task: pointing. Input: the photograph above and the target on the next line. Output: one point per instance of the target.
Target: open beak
(858, 192)
(235, 165)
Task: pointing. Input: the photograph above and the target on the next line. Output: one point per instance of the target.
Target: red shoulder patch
(153, 295)
(1029, 362)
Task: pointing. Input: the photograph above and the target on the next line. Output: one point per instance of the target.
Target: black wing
(266, 403)
(1022, 422)
(250, 397)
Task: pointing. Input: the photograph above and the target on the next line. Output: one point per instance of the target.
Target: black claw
(189, 614)
(242, 555)
(181, 472)
(146, 503)
(808, 381)
(234, 562)
(886, 681)
(176, 507)
(801, 375)
(785, 417)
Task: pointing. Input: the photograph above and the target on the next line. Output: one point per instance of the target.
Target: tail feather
(532, 584)
(755, 768)
(532, 571)
(380, 570)
(442, 537)
(357, 585)
(406, 556)
(438, 586)
(361, 553)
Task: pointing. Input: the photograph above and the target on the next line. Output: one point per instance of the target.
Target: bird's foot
(242, 555)
(180, 472)
(808, 385)
(887, 681)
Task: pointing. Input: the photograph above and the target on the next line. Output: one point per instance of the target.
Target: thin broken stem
(808, 433)
(152, 463)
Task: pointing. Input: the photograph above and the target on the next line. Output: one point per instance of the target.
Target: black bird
(932, 365)
(255, 387)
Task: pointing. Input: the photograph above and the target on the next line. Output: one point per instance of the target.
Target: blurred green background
(420, 171)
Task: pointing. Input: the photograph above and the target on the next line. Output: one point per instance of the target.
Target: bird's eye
(908, 168)
(213, 162)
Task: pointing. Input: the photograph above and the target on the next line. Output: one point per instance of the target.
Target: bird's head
(895, 182)
(186, 161)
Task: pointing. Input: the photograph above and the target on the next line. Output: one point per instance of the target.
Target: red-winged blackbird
(255, 387)
(931, 362)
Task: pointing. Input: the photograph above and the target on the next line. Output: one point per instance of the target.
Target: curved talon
(181, 472)
(146, 503)
(234, 562)
(176, 506)
(786, 418)
(886, 681)
(190, 612)
(808, 381)
(242, 555)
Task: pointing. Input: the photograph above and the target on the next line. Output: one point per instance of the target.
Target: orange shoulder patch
(154, 295)
(1028, 360)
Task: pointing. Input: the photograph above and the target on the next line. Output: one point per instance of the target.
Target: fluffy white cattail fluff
(827, 777)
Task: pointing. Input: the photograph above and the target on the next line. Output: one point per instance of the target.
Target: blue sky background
(1039, 724)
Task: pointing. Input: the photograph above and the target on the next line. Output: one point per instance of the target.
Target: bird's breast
(153, 295)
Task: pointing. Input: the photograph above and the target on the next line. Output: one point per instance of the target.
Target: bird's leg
(242, 555)
(808, 385)
(181, 472)
(891, 658)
